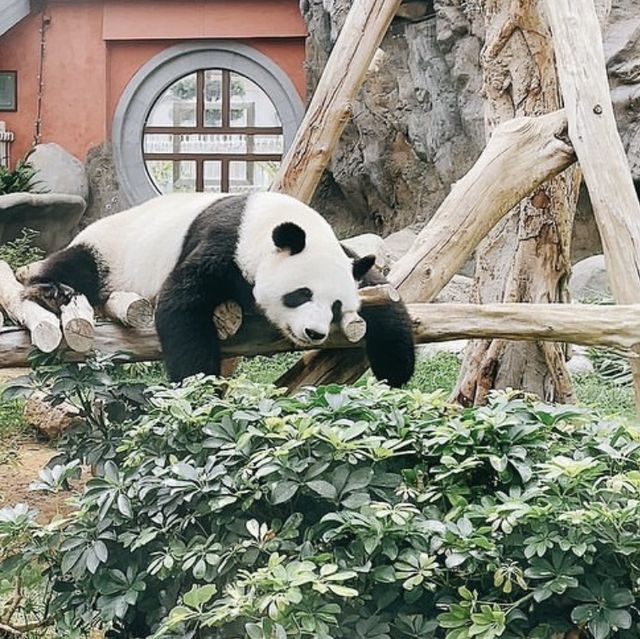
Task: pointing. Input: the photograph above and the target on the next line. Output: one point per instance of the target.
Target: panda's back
(141, 245)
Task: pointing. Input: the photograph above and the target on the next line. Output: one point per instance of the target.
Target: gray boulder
(54, 215)
(457, 291)
(589, 280)
(369, 244)
(397, 244)
(58, 171)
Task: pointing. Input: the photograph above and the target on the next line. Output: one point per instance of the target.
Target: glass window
(212, 130)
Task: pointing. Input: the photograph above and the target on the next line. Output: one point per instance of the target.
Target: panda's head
(303, 288)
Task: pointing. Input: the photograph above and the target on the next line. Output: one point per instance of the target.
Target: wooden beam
(577, 42)
(592, 325)
(330, 108)
(520, 155)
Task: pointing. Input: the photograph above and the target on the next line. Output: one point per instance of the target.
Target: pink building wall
(93, 48)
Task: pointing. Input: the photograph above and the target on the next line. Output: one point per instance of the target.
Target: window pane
(213, 98)
(212, 143)
(212, 176)
(177, 105)
(250, 105)
(251, 176)
(171, 176)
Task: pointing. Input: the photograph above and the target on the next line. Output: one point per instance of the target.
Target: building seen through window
(212, 130)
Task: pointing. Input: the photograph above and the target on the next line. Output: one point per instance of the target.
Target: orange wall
(94, 48)
(185, 19)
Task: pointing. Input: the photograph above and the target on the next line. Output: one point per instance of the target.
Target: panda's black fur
(207, 272)
(389, 342)
(205, 275)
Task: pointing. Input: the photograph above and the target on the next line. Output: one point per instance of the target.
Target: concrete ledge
(54, 215)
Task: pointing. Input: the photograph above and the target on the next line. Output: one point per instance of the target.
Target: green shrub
(225, 509)
(22, 250)
(19, 180)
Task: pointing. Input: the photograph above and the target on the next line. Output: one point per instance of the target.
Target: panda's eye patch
(298, 297)
(336, 310)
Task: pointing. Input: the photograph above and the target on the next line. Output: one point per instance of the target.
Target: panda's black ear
(289, 236)
(362, 266)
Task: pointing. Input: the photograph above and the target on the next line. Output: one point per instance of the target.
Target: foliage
(226, 509)
(22, 250)
(611, 366)
(21, 179)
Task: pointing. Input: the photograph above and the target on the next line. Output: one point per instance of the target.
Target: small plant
(21, 179)
(226, 509)
(22, 250)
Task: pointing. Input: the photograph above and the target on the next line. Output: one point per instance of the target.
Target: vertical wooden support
(577, 42)
(330, 108)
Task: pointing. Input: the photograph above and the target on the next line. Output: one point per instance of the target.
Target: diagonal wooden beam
(330, 108)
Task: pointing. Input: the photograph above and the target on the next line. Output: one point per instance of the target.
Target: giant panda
(190, 252)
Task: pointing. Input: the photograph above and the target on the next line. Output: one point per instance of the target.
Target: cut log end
(78, 324)
(129, 309)
(46, 335)
(353, 327)
(227, 318)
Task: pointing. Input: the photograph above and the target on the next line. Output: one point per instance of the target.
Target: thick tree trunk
(526, 257)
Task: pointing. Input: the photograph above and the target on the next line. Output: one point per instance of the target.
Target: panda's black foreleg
(184, 323)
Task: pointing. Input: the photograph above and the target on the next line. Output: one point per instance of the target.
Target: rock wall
(418, 123)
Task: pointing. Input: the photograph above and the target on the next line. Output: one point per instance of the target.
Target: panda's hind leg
(74, 270)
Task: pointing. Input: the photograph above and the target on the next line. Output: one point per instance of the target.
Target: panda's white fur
(322, 266)
(141, 245)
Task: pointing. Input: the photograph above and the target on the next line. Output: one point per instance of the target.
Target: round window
(212, 130)
(204, 116)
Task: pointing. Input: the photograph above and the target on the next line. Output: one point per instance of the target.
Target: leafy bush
(19, 180)
(22, 250)
(225, 509)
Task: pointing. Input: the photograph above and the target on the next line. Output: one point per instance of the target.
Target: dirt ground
(21, 459)
(19, 468)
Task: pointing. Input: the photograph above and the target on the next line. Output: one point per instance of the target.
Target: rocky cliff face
(418, 123)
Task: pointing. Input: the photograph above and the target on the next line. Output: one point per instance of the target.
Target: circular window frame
(147, 85)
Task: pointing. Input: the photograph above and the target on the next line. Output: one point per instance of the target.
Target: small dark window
(8, 90)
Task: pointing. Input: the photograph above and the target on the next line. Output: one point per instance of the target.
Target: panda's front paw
(52, 295)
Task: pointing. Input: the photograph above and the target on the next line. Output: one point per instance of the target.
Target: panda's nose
(314, 336)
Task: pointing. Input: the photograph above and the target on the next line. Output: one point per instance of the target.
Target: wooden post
(78, 324)
(330, 108)
(577, 41)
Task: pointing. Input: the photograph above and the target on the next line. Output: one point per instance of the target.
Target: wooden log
(130, 309)
(577, 42)
(616, 327)
(330, 107)
(78, 324)
(353, 326)
(520, 155)
(43, 326)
